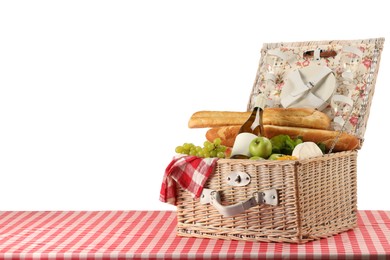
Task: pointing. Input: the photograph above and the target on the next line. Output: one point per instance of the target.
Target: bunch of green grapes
(209, 149)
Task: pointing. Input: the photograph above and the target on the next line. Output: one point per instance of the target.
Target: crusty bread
(226, 133)
(345, 141)
(300, 117)
(203, 119)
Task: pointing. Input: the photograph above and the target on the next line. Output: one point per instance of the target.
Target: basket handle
(213, 197)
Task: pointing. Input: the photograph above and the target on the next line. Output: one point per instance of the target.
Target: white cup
(241, 144)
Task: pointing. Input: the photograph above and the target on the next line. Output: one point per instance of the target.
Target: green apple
(256, 158)
(260, 146)
(275, 156)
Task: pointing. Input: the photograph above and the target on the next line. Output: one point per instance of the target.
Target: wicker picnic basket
(313, 198)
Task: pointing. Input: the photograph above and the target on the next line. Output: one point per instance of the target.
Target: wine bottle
(252, 128)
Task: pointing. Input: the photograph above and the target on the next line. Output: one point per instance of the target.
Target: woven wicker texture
(317, 199)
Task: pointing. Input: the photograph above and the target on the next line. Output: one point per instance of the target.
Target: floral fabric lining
(354, 64)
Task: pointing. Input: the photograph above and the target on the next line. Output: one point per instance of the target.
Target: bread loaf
(226, 133)
(345, 141)
(299, 117)
(203, 119)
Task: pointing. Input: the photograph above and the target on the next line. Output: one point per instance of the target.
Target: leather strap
(317, 54)
(269, 197)
(228, 211)
(346, 99)
(270, 76)
(338, 120)
(278, 53)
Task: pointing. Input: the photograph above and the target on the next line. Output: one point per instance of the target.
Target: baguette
(202, 119)
(298, 117)
(345, 141)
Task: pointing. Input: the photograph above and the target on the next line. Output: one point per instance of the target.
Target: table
(152, 235)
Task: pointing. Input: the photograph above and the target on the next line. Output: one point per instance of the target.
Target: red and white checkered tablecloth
(152, 235)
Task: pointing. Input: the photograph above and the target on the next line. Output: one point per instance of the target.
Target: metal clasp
(238, 178)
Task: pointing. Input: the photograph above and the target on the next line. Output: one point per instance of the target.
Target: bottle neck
(260, 101)
(258, 119)
(257, 125)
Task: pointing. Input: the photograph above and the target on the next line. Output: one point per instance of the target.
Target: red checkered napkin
(190, 172)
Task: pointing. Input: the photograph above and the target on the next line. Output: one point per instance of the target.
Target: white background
(96, 95)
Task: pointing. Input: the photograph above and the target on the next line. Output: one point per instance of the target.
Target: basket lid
(293, 74)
